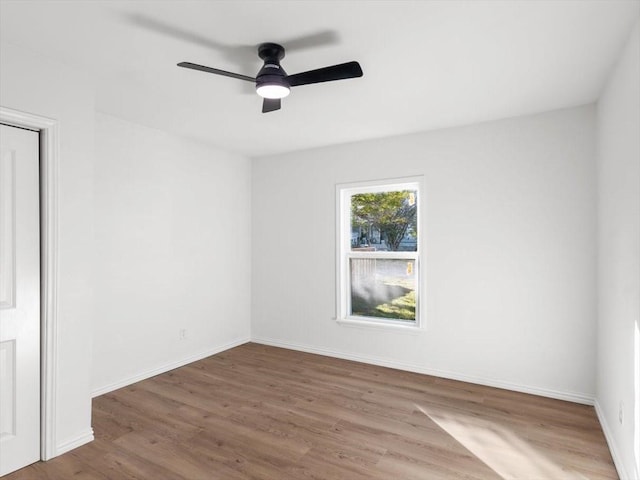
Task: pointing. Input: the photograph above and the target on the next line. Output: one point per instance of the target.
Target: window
(379, 253)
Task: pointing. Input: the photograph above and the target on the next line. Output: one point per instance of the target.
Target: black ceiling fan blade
(271, 104)
(202, 68)
(312, 40)
(326, 74)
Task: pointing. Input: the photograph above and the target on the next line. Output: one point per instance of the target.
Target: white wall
(40, 86)
(618, 372)
(510, 252)
(172, 251)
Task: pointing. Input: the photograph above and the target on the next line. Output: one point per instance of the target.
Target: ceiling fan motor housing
(271, 72)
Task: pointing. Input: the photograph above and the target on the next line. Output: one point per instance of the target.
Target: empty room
(330, 240)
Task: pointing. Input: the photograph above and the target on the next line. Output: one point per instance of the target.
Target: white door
(19, 299)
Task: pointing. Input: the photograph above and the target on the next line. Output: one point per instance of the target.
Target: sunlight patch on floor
(499, 448)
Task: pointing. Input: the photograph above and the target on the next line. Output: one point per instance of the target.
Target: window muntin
(379, 240)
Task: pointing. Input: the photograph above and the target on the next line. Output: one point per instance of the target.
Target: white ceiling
(427, 64)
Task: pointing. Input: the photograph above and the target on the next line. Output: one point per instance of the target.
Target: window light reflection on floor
(499, 448)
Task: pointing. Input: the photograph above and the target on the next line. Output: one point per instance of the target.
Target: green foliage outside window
(392, 213)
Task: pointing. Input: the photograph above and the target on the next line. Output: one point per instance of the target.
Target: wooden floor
(258, 412)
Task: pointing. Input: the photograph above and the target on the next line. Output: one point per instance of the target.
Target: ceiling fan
(273, 83)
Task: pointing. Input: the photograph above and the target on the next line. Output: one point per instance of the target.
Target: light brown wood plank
(259, 412)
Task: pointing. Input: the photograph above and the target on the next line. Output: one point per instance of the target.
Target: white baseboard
(166, 367)
(69, 445)
(582, 398)
(613, 447)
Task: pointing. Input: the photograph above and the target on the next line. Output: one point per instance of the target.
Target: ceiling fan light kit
(269, 90)
(272, 82)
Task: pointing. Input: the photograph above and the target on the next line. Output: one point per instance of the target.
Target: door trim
(48, 129)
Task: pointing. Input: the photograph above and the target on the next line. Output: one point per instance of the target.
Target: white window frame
(344, 192)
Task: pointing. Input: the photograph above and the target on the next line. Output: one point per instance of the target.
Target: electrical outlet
(183, 334)
(621, 412)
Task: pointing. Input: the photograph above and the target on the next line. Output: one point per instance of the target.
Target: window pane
(383, 288)
(384, 221)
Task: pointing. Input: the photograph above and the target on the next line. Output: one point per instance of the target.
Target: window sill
(413, 329)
